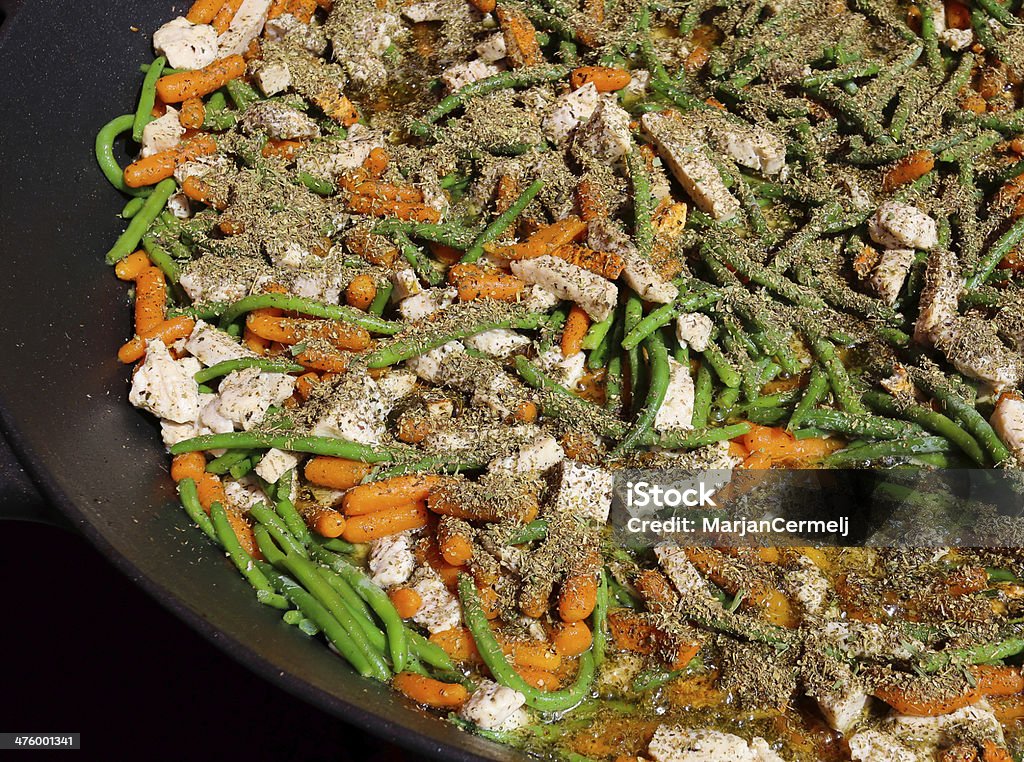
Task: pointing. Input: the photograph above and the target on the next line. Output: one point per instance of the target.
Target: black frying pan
(66, 67)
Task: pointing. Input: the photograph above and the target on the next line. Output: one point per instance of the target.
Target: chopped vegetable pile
(413, 280)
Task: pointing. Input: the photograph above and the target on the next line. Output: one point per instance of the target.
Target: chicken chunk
(166, 387)
(897, 226)
(186, 45)
(1008, 421)
(590, 291)
(279, 122)
(890, 273)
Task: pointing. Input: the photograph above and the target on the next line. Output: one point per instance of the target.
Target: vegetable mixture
(413, 279)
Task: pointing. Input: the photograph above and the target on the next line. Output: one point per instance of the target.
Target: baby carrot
(540, 679)
(292, 331)
(520, 37)
(329, 361)
(192, 114)
(430, 692)
(336, 473)
(211, 490)
(282, 149)
(605, 78)
(576, 326)
(572, 638)
(577, 597)
(533, 653)
(200, 191)
(168, 332)
(277, 8)
(150, 299)
(458, 643)
(998, 681)
(476, 283)
(303, 10)
(175, 88)
(908, 700)
(132, 266)
(403, 210)
(456, 550)
(397, 491)
(383, 191)
(406, 601)
(161, 166)
(203, 11)
(484, 6)
(361, 292)
(224, 16)
(328, 523)
(188, 465)
(383, 523)
(376, 163)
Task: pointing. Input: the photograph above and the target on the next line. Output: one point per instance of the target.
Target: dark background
(85, 651)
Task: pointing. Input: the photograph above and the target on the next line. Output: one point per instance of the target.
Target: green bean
(503, 81)
(928, 419)
(189, 496)
(668, 312)
(159, 256)
(504, 673)
(683, 100)
(416, 257)
(932, 54)
(277, 529)
(428, 651)
(608, 339)
(856, 71)
(995, 255)
(692, 439)
(447, 234)
(598, 332)
(763, 276)
(656, 390)
(230, 366)
(225, 462)
(869, 453)
(559, 402)
(337, 545)
(703, 388)
(817, 387)
(147, 99)
(449, 463)
(380, 301)
(986, 653)
(535, 530)
(241, 94)
(860, 425)
(308, 307)
(105, 154)
(360, 613)
(377, 600)
(982, 31)
(338, 448)
(404, 349)
(132, 208)
(727, 374)
(318, 185)
(633, 314)
(960, 410)
(613, 382)
(139, 224)
(838, 378)
(291, 518)
(503, 222)
(339, 635)
(242, 560)
(999, 13)
(643, 206)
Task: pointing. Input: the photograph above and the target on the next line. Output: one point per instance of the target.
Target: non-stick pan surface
(66, 67)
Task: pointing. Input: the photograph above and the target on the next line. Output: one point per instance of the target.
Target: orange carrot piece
(484, 6)
(150, 299)
(504, 287)
(336, 473)
(386, 522)
(697, 59)
(160, 166)
(908, 169)
(203, 11)
(192, 114)
(303, 10)
(577, 323)
(606, 79)
(572, 638)
(337, 106)
(577, 597)
(520, 37)
(361, 292)
(998, 681)
(189, 465)
(210, 490)
(382, 191)
(399, 490)
(257, 344)
(406, 601)
(631, 632)
(541, 679)
(292, 331)
(175, 88)
(430, 692)
(200, 191)
(532, 653)
(993, 752)
(456, 550)
(589, 201)
(277, 8)
(328, 523)
(168, 332)
(607, 264)
(132, 266)
(546, 240)
(907, 700)
(282, 149)
(488, 601)
(458, 643)
(306, 384)
(329, 361)
(958, 15)
(225, 15)
(376, 163)
(403, 210)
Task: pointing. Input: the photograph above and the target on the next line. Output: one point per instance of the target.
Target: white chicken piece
(674, 743)
(873, 745)
(207, 423)
(459, 75)
(1008, 421)
(279, 122)
(843, 703)
(492, 49)
(584, 490)
(275, 464)
(539, 299)
(166, 387)
(498, 342)
(495, 707)
(570, 111)
(273, 78)
(179, 205)
(245, 26)
(975, 721)
(750, 146)
(683, 575)
(890, 273)
(427, 302)
(440, 610)
(247, 394)
(606, 135)
(900, 226)
(693, 329)
(808, 586)
(405, 284)
(330, 158)
(186, 45)
(244, 493)
(430, 366)
(535, 456)
(212, 346)
(431, 10)
(162, 134)
(972, 345)
(392, 560)
(568, 371)
(397, 384)
(596, 295)
(939, 296)
(957, 39)
(676, 412)
(688, 158)
(360, 415)
(639, 274)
